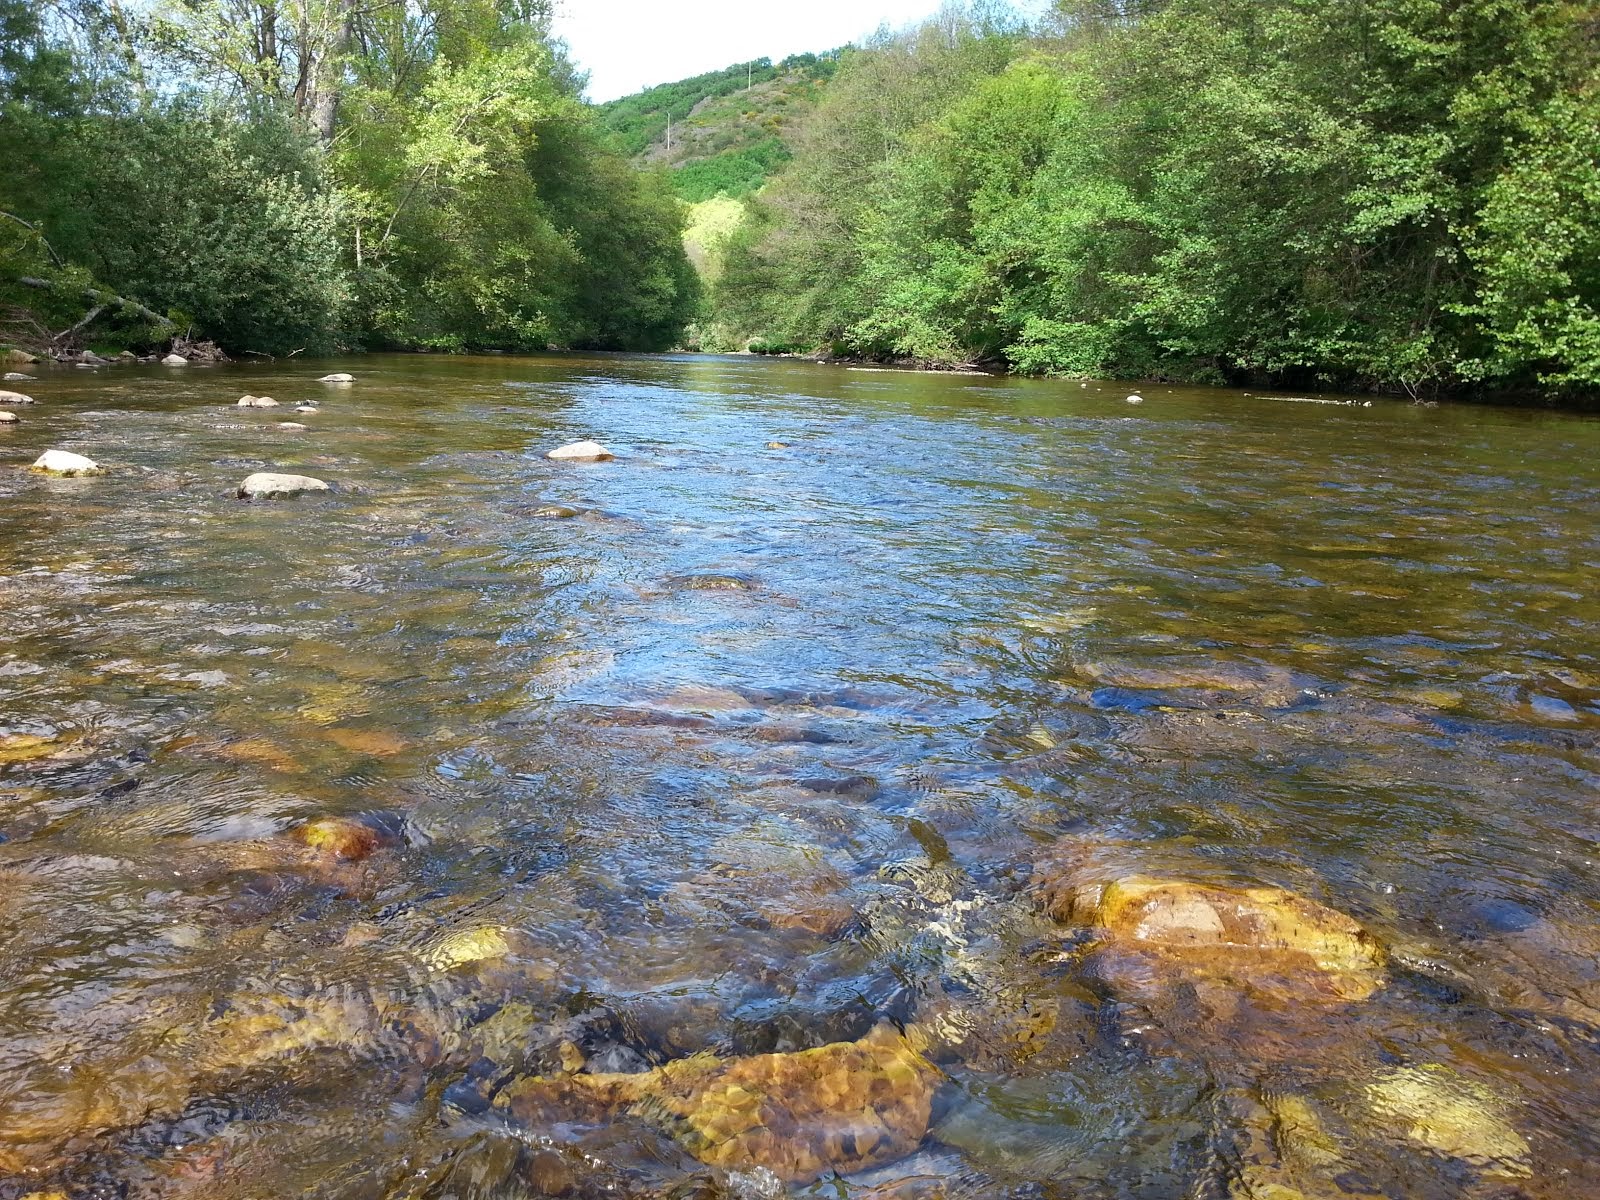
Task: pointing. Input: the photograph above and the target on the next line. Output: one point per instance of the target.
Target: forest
(1398, 195)
(1393, 195)
(281, 176)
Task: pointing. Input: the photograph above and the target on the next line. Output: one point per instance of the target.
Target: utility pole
(749, 74)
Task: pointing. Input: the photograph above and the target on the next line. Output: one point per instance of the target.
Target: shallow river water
(1196, 799)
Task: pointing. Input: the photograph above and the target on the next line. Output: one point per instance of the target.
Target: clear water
(763, 747)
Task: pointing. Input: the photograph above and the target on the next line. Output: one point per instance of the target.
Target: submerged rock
(1263, 939)
(337, 377)
(15, 398)
(1450, 1115)
(712, 581)
(306, 408)
(555, 512)
(348, 839)
(17, 377)
(840, 1107)
(465, 946)
(290, 425)
(777, 445)
(63, 462)
(26, 747)
(257, 402)
(268, 485)
(581, 452)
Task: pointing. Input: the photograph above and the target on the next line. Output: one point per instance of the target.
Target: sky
(627, 45)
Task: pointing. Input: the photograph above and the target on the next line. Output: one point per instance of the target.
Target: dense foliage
(1389, 193)
(316, 173)
(731, 172)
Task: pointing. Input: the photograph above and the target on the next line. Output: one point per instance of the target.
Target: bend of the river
(868, 784)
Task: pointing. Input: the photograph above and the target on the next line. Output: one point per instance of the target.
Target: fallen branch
(34, 229)
(66, 333)
(103, 300)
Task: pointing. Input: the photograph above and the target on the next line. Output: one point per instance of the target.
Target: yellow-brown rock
(1260, 936)
(26, 747)
(841, 1107)
(342, 838)
(1449, 1114)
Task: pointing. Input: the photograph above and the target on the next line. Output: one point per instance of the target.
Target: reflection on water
(995, 791)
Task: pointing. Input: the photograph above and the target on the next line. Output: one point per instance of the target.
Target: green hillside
(727, 128)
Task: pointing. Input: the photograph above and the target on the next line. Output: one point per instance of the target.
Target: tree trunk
(326, 74)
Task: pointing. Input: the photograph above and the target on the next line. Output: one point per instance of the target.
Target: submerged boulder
(837, 1108)
(347, 839)
(462, 947)
(290, 425)
(1258, 939)
(581, 452)
(64, 462)
(1449, 1114)
(16, 377)
(269, 485)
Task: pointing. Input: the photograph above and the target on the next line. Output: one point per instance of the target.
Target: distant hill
(727, 127)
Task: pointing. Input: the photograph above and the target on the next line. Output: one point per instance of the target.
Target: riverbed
(498, 826)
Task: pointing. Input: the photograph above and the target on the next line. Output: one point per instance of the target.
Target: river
(499, 826)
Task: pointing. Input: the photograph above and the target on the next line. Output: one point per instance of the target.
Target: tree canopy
(304, 174)
(1400, 194)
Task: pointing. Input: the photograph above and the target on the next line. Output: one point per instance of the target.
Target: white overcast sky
(626, 45)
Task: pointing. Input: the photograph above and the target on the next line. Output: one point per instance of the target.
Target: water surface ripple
(726, 750)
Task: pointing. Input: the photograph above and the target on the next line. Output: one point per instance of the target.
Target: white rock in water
(290, 425)
(14, 398)
(62, 462)
(9, 418)
(305, 408)
(16, 377)
(175, 360)
(581, 452)
(1135, 399)
(268, 485)
(257, 402)
(337, 377)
